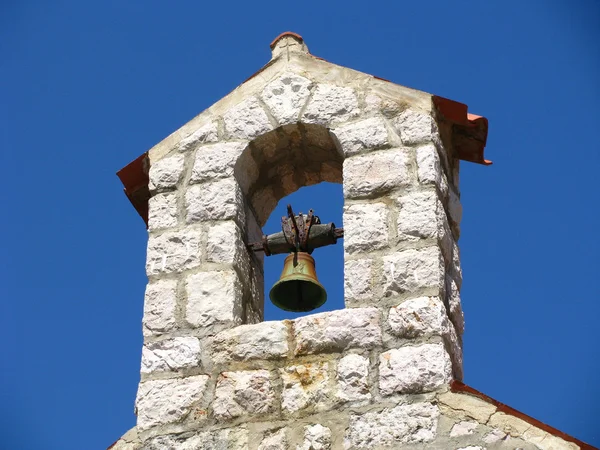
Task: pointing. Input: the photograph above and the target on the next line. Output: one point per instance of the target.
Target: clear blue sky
(86, 87)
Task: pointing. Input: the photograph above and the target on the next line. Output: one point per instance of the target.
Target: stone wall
(374, 375)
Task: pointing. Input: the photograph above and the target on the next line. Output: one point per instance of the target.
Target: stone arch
(282, 161)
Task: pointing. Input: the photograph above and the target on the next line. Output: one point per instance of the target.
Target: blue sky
(86, 87)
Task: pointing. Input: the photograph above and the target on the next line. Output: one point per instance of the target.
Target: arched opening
(298, 164)
(326, 199)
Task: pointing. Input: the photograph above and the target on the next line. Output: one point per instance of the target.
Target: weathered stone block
(225, 245)
(375, 173)
(422, 216)
(416, 369)
(414, 269)
(246, 120)
(423, 316)
(203, 135)
(165, 173)
(216, 161)
(305, 386)
(454, 207)
(165, 401)
(336, 331)
(159, 307)
(214, 298)
(368, 134)
(414, 127)
(494, 436)
(162, 211)
(429, 168)
(412, 423)
(316, 437)
(352, 378)
(455, 311)
(218, 200)
(173, 251)
(263, 202)
(242, 393)
(427, 316)
(266, 340)
(276, 440)
(463, 428)
(357, 279)
(467, 406)
(286, 96)
(331, 104)
(224, 439)
(170, 354)
(129, 441)
(365, 227)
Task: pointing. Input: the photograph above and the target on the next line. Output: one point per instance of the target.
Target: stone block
(546, 441)
(216, 161)
(286, 96)
(316, 437)
(411, 270)
(455, 267)
(422, 216)
(225, 245)
(263, 202)
(165, 173)
(266, 340)
(357, 279)
(414, 369)
(365, 227)
(375, 173)
(129, 441)
(429, 168)
(454, 207)
(305, 386)
(159, 307)
(203, 135)
(224, 439)
(352, 378)
(455, 311)
(165, 401)
(173, 251)
(214, 298)
(243, 393)
(246, 120)
(463, 428)
(368, 134)
(467, 406)
(423, 316)
(162, 211)
(217, 200)
(331, 104)
(509, 424)
(414, 127)
(403, 424)
(276, 440)
(336, 331)
(170, 354)
(494, 436)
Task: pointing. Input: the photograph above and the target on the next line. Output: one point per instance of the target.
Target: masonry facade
(377, 374)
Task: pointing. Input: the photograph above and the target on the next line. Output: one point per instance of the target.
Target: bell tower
(380, 373)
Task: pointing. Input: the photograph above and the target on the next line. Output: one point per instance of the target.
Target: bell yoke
(298, 288)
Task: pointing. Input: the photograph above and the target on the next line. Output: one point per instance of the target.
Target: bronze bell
(298, 288)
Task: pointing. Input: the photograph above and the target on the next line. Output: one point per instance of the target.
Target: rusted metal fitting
(299, 233)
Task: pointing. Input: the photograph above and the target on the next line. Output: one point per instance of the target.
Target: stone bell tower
(382, 373)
